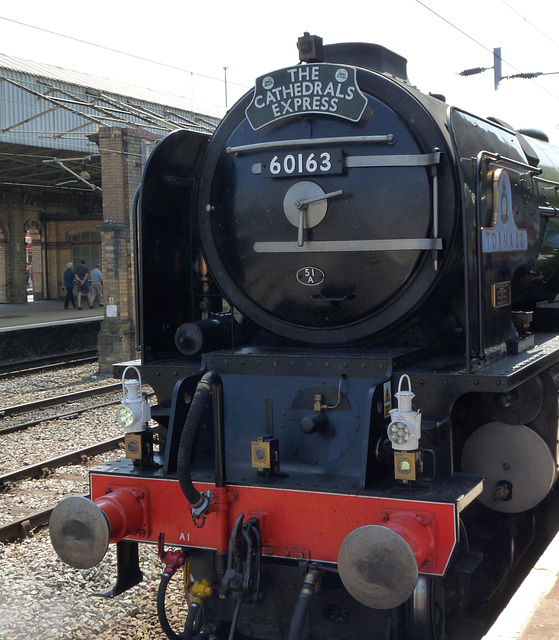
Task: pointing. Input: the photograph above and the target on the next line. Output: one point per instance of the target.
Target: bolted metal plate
(377, 566)
(519, 406)
(79, 532)
(514, 455)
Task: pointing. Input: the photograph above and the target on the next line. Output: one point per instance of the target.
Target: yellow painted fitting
(186, 579)
(201, 589)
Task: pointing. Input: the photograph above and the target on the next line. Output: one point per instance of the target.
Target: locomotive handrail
(465, 236)
(362, 162)
(548, 212)
(497, 157)
(553, 183)
(278, 144)
(386, 244)
(417, 160)
(481, 156)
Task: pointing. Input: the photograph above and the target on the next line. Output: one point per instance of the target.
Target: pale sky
(438, 37)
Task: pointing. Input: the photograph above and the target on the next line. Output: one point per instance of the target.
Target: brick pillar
(12, 216)
(120, 172)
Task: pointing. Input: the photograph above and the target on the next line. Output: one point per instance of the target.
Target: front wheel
(426, 610)
(437, 604)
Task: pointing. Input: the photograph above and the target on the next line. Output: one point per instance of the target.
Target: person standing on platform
(82, 274)
(69, 279)
(97, 285)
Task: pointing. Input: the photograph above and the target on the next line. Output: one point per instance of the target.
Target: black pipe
(235, 618)
(219, 432)
(191, 621)
(161, 613)
(210, 383)
(303, 605)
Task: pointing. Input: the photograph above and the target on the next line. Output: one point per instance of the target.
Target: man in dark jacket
(69, 278)
(82, 275)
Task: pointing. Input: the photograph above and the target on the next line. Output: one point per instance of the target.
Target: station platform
(35, 330)
(30, 314)
(533, 611)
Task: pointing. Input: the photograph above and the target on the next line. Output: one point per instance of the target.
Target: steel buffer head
(79, 532)
(377, 566)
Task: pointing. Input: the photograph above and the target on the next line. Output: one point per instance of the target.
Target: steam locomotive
(346, 312)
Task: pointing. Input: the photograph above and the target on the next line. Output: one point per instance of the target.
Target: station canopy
(50, 116)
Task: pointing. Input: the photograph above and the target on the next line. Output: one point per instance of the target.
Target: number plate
(302, 163)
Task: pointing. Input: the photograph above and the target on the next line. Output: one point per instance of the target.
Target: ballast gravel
(40, 596)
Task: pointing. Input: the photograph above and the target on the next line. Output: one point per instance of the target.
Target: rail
(22, 368)
(41, 469)
(58, 400)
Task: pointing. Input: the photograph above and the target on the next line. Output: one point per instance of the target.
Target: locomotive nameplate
(311, 88)
(503, 235)
(310, 162)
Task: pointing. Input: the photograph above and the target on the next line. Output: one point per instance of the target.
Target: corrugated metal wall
(28, 118)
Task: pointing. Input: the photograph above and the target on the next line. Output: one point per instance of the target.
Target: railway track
(38, 405)
(17, 369)
(24, 526)
(40, 595)
(21, 527)
(81, 431)
(63, 400)
(41, 469)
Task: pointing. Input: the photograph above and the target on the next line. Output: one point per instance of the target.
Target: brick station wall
(21, 210)
(16, 208)
(60, 233)
(121, 166)
(121, 170)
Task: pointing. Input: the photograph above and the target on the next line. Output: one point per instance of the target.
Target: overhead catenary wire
(450, 24)
(467, 35)
(118, 51)
(531, 24)
(491, 51)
